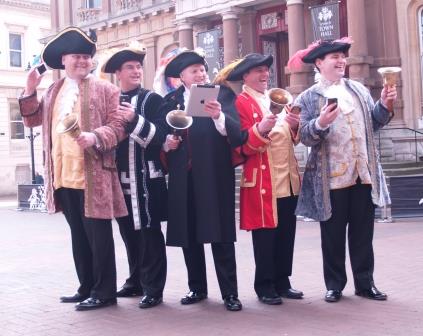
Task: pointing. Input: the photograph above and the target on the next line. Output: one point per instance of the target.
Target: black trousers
(92, 246)
(274, 250)
(352, 207)
(146, 251)
(132, 241)
(223, 255)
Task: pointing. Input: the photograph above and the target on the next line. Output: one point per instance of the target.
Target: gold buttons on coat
(263, 167)
(263, 191)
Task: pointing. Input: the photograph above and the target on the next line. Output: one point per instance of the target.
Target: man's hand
(33, 79)
(213, 108)
(172, 141)
(86, 139)
(327, 115)
(127, 111)
(292, 119)
(389, 93)
(266, 124)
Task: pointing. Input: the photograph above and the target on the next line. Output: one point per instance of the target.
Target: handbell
(178, 119)
(69, 125)
(279, 98)
(390, 78)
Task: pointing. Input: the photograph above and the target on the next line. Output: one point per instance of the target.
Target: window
(16, 123)
(92, 3)
(15, 47)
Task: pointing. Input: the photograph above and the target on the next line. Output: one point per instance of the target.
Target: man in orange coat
(270, 182)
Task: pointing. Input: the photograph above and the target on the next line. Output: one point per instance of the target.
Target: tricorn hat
(182, 61)
(319, 49)
(71, 40)
(115, 61)
(247, 63)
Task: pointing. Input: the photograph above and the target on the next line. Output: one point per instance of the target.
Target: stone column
(359, 59)
(296, 40)
(247, 22)
(185, 33)
(230, 34)
(150, 62)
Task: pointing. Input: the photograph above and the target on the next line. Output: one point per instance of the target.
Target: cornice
(26, 4)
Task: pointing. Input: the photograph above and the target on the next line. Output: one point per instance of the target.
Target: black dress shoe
(232, 303)
(291, 293)
(73, 299)
(333, 295)
(149, 301)
(271, 300)
(129, 292)
(91, 303)
(193, 297)
(372, 293)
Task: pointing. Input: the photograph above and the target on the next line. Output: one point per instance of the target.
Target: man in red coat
(270, 182)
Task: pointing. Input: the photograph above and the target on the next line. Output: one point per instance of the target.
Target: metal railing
(416, 139)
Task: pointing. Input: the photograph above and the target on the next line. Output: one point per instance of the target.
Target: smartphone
(295, 110)
(41, 69)
(124, 98)
(332, 101)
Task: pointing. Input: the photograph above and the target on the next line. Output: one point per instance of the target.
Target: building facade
(281, 28)
(119, 22)
(22, 25)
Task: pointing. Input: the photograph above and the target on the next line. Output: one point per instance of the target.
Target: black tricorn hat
(324, 48)
(116, 60)
(71, 40)
(250, 61)
(182, 61)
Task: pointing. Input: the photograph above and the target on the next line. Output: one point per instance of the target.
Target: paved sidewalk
(36, 268)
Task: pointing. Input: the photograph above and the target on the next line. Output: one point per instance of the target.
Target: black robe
(212, 172)
(141, 173)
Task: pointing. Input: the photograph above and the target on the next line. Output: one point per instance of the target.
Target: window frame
(12, 105)
(21, 51)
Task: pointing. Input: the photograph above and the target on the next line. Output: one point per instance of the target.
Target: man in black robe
(142, 179)
(202, 182)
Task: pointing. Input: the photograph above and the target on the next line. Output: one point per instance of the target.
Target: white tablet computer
(198, 96)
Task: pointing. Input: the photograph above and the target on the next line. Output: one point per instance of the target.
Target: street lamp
(31, 138)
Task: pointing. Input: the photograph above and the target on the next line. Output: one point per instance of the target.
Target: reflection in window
(92, 3)
(16, 123)
(15, 50)
(420, 21)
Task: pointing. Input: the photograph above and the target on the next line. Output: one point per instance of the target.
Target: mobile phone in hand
(332, 101)
(41, 69)
(124, 98)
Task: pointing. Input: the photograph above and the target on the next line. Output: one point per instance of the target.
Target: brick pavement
(36, 268)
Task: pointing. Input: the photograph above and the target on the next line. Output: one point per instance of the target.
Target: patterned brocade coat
(314, 200)
(99, 99)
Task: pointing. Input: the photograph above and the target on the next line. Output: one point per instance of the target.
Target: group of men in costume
(114, 168)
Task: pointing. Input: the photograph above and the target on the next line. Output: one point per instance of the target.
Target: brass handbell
(178, 119)
(279, 98)
(69, 125)
(390, 78)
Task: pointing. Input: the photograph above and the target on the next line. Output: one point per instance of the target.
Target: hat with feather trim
(318, 49)
(249, 62)
(71, 40)
(115, 61)
(184, 60)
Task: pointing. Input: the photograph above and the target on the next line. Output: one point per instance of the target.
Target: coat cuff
(28, 104)
(255, 141)
(143, 132)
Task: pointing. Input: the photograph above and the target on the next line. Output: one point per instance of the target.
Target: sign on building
(325, 19)
(209, 41)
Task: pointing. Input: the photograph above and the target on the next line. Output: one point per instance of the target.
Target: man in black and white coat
(142, 179)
